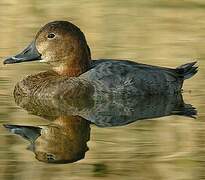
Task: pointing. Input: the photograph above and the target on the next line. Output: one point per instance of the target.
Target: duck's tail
(185, 110)
(188, 70)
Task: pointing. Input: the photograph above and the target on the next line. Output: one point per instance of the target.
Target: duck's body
(74, 74)
(112, 77)
(128, 77)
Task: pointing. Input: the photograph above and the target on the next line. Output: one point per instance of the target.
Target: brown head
(61, 44)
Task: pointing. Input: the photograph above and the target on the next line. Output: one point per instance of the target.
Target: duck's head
(61, 44)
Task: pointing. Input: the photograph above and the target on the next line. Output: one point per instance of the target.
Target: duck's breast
(51, 85)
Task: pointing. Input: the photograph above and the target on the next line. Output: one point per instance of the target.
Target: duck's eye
(51, 36)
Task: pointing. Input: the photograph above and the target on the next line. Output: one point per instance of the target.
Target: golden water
(159, 32)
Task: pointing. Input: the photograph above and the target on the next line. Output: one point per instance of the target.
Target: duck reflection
(62, 141)
(105, 111)
(65, 139)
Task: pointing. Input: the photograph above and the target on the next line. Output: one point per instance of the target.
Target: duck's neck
(72, 70)
(77, 63)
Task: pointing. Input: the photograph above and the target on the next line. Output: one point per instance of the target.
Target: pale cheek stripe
(42, 60)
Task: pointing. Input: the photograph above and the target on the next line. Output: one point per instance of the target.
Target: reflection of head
(63, 141)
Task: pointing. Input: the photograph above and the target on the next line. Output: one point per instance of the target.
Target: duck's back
(127, 77)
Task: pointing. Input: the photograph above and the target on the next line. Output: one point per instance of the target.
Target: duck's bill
(28, 54)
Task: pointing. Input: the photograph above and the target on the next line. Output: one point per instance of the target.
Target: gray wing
(127, 77)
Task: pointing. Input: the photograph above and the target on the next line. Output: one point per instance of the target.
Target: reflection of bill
(62, 141)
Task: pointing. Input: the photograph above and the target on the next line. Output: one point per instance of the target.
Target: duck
(75, 74)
